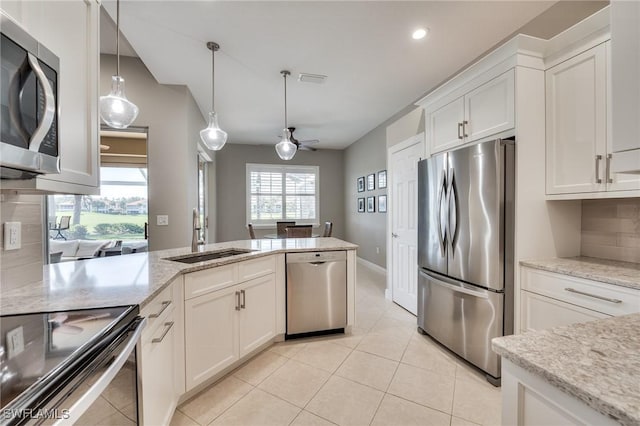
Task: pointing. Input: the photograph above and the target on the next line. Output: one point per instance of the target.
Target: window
(277, 193)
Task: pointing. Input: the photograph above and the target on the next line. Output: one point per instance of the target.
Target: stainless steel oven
(73, 367)
(29, 75)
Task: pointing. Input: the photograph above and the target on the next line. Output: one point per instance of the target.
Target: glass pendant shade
(115, 109)
(213, 136)
(285, 148)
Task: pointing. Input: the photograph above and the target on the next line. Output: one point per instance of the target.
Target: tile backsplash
(611, 229)
(22, 266)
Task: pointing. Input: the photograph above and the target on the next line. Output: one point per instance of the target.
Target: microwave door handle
(91, 395)
(49, 106)
(442, 235)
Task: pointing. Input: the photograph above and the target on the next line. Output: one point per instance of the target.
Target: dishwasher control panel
(316, 256)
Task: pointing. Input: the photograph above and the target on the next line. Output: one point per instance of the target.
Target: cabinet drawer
(605, 298)
(250, 269)
(205, 281)
(541, 312)
(158, 308)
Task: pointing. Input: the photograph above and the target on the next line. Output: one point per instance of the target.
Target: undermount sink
(202, 257)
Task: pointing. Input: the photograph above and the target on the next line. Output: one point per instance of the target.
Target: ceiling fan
(303, 145)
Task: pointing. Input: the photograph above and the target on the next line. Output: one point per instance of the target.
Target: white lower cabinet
(211, 334)
(160, 366)
(223, 326)
(550, 299)
(257, 313)
(529, 400)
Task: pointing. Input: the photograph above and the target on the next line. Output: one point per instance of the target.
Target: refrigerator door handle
(452, 216)
(455, 288)
(442, 188)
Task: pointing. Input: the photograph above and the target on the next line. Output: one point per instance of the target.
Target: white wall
(170, 114)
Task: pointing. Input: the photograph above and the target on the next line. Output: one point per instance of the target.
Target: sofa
(77, 249)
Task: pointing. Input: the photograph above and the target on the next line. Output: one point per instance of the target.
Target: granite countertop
(134, 279)
(597, 362)
(624, 274)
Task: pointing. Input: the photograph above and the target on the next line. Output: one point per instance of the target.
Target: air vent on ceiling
(312, 78)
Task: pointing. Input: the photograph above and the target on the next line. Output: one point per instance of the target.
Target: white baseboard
(388, 294)
(372, 266)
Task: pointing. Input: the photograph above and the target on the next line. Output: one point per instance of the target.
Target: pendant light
(285, 148)
(213, 136)
(115, 109)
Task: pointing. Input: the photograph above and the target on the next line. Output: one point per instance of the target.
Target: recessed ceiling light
(419, 33)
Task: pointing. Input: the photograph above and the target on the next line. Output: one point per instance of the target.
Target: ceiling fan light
(285, 148)
(213, 136)
(115, 109)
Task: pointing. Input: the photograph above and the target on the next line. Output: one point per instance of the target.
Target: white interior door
(403, 221)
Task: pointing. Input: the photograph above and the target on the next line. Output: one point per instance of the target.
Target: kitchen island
(585, 373)
(204, 319)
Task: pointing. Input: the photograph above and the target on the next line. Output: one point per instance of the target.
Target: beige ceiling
(374, 68)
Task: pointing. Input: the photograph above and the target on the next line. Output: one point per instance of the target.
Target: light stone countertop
(624, 274)
(134, 279)
(597, 362)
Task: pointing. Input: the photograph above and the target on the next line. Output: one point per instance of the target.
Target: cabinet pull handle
(464, 129)
(244, 299)
(165, 305)
(237, 300)
(168, 326)
(595, 296)
(460, 131)
(608, 168)
(598, 158)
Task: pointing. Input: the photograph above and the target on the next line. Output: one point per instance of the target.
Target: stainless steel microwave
(29, 143)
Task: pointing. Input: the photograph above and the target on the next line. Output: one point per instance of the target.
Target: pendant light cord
(284, 74)
(118, 37)
(213, 79)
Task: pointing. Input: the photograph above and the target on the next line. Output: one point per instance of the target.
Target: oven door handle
(90, 396)
(49, 106)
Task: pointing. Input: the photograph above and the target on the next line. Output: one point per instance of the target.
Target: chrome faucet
(195, 241)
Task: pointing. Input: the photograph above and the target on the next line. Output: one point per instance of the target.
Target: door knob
(394, 235)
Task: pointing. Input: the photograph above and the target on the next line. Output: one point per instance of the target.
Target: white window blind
(276, 192)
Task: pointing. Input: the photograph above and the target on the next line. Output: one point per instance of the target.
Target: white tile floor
(385, 373)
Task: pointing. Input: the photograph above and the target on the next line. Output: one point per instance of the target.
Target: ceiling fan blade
(310, 141)
(306, 148)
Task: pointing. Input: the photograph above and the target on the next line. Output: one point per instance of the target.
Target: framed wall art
(382, 203)
(360, 205)
(361, 184)
(371, 204)
(382, 179)
(371, 182)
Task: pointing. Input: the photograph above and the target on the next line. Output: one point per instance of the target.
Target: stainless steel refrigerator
(465, 250)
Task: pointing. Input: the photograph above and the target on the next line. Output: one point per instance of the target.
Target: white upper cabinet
(445, 126)
(71, 30)
(483, 111)
(625, 85)
(578, 129)
(489, 109)
(576, 123)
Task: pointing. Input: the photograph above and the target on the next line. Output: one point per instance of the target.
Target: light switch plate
(12, 235)
(15, 342)
(162, 220)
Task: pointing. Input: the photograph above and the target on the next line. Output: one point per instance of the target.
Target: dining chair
(62, 226)
(328, 228)
(252, 233)
(281, 228)
(299, 231)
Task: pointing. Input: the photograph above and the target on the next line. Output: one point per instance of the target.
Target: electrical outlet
(377, 250)
(12, 235)
(162, 220)
(15, 342)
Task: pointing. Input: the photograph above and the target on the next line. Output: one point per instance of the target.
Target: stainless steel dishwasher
(316, 292)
